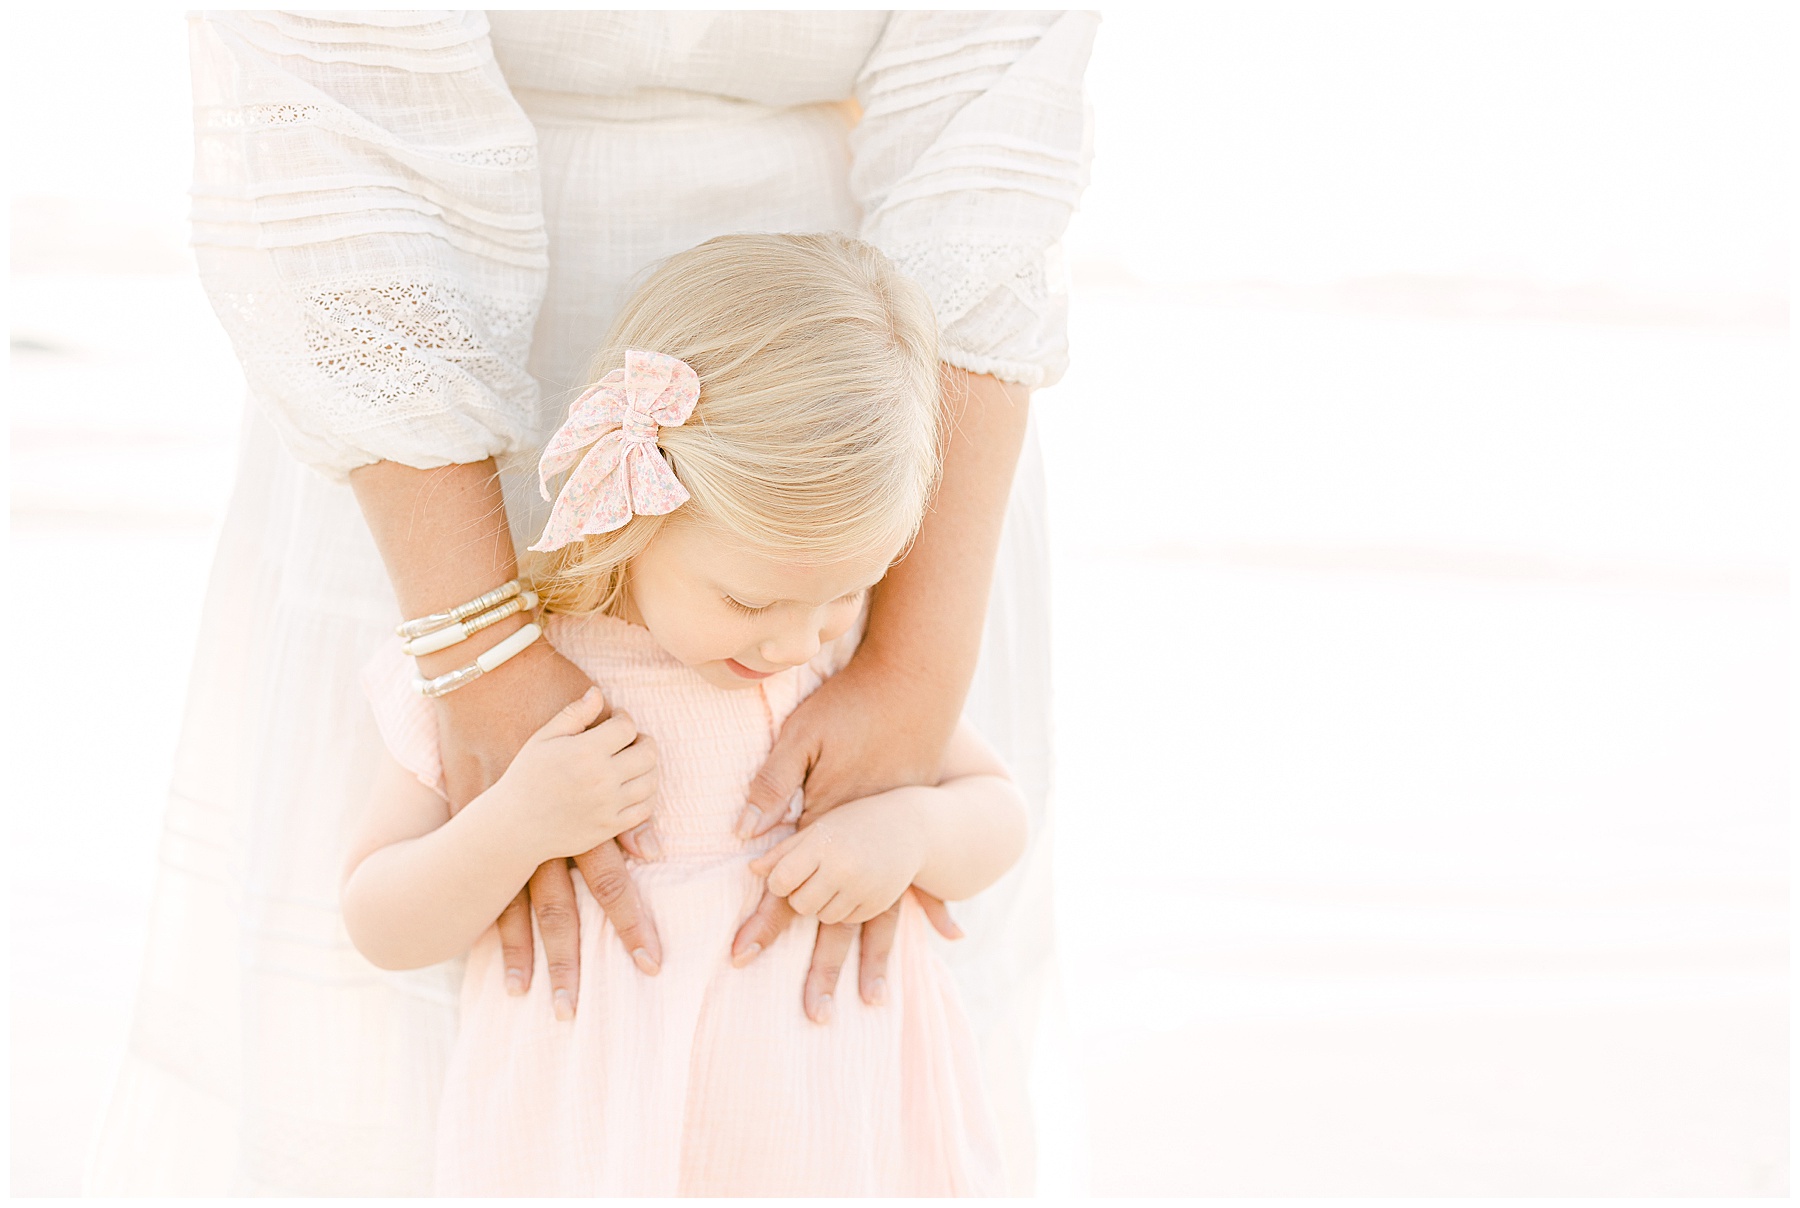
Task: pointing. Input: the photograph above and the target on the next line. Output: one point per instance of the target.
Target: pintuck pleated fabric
(705, 1079)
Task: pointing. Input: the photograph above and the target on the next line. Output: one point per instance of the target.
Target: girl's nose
(793, 645)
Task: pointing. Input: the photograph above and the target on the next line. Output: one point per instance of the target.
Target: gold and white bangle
(420, 626)
(457, 631)
(490, 659)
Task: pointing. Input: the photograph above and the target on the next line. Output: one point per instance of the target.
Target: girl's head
(808, 459)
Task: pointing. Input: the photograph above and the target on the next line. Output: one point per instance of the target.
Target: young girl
(761, 446)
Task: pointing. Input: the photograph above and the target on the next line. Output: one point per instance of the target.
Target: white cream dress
(415, 228)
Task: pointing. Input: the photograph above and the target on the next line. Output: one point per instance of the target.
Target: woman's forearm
(926, 618)
(444, 539)
(426, 899)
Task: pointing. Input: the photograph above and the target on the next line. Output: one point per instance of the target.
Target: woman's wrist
(471, 648)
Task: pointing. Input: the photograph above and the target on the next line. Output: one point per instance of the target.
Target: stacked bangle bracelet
(442, 630)
(456, 631)
(491, 658)
(418, 627)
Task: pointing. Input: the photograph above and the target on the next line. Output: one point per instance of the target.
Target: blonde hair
(816, 435)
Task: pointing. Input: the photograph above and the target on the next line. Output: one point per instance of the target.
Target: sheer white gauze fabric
(415, 229)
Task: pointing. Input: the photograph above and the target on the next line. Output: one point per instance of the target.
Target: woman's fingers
(877, 942)
(642, 841)
(516, 943)
(610, 882)
(764, 926)
(776, 782)
(830, 949)
(553, 901)
(936, 913)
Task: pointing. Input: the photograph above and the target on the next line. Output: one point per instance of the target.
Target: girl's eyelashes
(751, 610)
(744, 608)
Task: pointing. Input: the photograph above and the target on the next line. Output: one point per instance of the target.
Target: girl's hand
(572, 788)
(852, 864)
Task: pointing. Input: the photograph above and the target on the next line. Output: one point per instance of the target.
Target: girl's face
(738, 617)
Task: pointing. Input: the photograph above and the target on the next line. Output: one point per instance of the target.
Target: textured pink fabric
(623, 475)
(704, 1080)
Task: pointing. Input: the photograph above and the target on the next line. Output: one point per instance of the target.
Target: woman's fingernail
(878, 992)
(747, 821)
(824, 1009)
(515, 982)
(650, 845)
(563, 1005)
(641, 958)
(746, 956)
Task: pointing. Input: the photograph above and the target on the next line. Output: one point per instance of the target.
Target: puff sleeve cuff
(971, 154)
(368, 223)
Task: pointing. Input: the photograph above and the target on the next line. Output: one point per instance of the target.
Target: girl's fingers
(791, 872)
(877, 942)
(634, 815)
(614, 734)
(516, 944)
(637, 790)
(838, 909)
(575, 716)
(634, 760)
(810, 898)
(769, 859)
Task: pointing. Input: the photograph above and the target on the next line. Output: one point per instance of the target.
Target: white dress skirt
(266, 1056)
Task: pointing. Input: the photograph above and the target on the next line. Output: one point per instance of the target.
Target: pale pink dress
(703, 1080)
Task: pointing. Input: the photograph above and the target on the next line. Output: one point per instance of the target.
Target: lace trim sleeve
(369, 227)
(971, 155)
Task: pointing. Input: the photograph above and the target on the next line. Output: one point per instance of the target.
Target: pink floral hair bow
(624, 474)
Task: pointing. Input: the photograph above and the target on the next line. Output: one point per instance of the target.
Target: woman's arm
(379, 277)
(911, 672)
(444, 538)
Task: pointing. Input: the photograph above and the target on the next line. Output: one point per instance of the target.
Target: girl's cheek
(839, 621)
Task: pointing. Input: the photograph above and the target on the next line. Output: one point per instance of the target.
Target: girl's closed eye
(750, 610)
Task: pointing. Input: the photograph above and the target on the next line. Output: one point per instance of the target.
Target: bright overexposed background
(1421, 778)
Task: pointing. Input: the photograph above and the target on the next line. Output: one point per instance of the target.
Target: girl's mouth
(739, 669)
